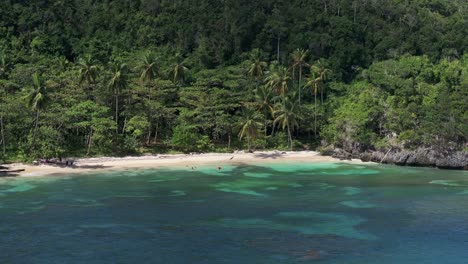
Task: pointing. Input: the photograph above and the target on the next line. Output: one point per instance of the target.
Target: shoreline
(86, 165)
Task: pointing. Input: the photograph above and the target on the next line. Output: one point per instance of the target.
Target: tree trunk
(2, 133)
(90, 139)
(156, 132)
(293, 72)
(315, 112)
(300, 79)
(289, 137)
(37, 122)
(229, 140)
(124, 125)
(117, 113)
(278, 48)
(354, 12)
(249, 144)
(148, 138)
(321, 94)
(35, 130)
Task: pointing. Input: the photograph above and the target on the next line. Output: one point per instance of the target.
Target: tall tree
(256, 66)
(287, 116)
(276, 25)
(249, 126)
(88, 73)
(2, 126)
(149, 67)
(118, 83)
(264, 100)
(313, 82)
(36, 99)
(2, 134)
(179, 72)
(4, 64)
(322, 72)
(278, 80)
(299, 57)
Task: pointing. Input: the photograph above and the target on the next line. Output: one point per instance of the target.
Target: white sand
(165, 160)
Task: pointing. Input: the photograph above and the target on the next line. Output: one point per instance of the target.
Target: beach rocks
(341, 154)
(425, 157)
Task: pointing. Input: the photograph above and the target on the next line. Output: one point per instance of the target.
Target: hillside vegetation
(117, 77)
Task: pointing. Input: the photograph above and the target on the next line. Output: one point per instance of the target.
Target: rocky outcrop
(338, 154)
(420, 157)
(424, 157)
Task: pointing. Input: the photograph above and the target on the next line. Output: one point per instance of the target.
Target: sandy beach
(173, 160)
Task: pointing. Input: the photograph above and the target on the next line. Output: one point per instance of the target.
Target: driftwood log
(7, 172)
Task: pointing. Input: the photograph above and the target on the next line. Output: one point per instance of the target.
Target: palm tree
(257, 66)
(179, 71)
(149, 67)
(250, 127)
(299, 56)
(278, 80)
(314, 80)
(37, 98)
(63, 63)
(2, 114)
(2, 135)
(117, 83)
(287, 116)
(89, 71)
(149, 71)
(322, 72)
(264, 99)
(3, 64)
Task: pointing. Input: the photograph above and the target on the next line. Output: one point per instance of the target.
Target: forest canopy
(86, 77)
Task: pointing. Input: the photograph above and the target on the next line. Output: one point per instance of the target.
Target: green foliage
(250, 126)
(408, 102)
(100, 77)
(278, 141)
(187, 139)
(137, 126)
(49, 143)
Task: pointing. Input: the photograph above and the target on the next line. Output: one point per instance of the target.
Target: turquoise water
(294, 213)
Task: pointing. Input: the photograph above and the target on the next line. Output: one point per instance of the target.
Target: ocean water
(268, 213)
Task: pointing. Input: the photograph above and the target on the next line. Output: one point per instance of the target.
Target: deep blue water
(272, 213)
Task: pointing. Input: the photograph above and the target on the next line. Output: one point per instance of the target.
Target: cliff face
(420, 157)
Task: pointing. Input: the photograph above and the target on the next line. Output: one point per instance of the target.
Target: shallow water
(272, 213)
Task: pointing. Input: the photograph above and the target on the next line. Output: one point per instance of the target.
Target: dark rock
(366, 156)
(420, 157)
(400, 158)
(457, 160)
(327, 152)
(341, 154)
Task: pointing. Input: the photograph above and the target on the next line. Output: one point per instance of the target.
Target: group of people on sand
(219, 168)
